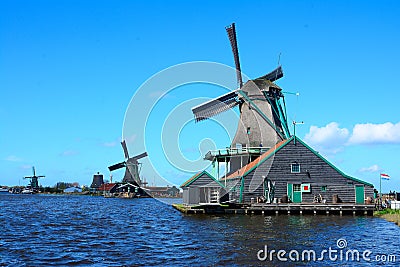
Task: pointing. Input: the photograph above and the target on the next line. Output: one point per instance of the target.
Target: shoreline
(389, 215)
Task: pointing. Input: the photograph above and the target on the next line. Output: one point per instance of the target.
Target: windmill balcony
(232, 152)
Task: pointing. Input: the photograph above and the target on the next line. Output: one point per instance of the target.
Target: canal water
(43, 230)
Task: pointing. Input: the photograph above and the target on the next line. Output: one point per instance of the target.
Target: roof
(254, 164)
(160, 188)
(72, 190)
(106, 187)
(199, 174)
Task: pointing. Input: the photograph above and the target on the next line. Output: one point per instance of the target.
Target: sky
(76, 78)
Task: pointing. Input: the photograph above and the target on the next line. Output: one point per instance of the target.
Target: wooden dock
(282, 209)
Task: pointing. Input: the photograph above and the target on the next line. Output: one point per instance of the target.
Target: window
(295, 168)
(297, 188)
(323, 188)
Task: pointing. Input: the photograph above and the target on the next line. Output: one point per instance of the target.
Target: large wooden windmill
(263, 119)
(131, 165)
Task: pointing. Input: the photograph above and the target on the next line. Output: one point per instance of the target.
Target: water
(43, 230)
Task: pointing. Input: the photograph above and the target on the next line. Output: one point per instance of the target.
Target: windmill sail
(273, 75)
(117, 166)
(123, 143)
(135, 158)
(216, 106)
(231, 30)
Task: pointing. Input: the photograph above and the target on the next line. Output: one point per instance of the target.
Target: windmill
(263, 118)
(131, 166)
(34, 179)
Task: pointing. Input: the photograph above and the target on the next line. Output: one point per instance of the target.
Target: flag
(385, 176)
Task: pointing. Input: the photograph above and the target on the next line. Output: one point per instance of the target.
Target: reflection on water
(84, 230)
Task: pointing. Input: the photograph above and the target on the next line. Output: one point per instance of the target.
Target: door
(294, 192)
(290, 192)
(297, 193)
(360, 194)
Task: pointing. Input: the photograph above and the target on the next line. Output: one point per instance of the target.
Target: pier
(282, 209)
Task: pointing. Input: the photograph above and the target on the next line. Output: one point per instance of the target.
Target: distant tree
(85, 188)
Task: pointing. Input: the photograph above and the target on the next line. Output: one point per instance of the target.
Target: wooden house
(203, 188)
(291, 171)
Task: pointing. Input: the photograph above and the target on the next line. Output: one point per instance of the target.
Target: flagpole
(380, 187)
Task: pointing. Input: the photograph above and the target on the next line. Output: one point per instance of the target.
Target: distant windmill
(131, 166)
(34, 180)
(263, 119)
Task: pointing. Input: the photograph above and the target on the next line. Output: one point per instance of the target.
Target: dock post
(341, 212)
(327, 212)
(262, 212)
(277, 212)
(315, 212)
(301, 212)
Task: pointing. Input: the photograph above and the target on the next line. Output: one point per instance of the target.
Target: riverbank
(389, 215)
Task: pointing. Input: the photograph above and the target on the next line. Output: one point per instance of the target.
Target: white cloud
(328, 139)
(386, 133)
(373, 168)
(69, 153)
(13, 158)
(331, 138)
(109, 144)
(25, 167)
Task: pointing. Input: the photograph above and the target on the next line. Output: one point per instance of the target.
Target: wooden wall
(313, 170)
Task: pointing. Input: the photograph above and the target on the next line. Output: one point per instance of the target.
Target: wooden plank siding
(313, 170)
(191, 188)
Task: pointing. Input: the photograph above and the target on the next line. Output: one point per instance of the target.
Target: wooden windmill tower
(131, 165)
(263, 119)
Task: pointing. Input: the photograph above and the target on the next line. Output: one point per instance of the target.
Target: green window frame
(323, 188)
(295, 168)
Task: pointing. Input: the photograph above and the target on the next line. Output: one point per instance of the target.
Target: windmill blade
(216, 106)
(33, 170)
(144, 154)
(117, 166)
(273, 75)
(231, 30)
(123, 143)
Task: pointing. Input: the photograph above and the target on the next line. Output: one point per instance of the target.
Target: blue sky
(69, 69)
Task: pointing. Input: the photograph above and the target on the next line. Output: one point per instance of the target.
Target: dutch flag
(385, 176)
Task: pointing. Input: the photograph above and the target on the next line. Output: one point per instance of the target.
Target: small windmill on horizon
(34, 179)
(131, 165)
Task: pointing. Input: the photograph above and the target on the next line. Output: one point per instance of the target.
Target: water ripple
(85, 231)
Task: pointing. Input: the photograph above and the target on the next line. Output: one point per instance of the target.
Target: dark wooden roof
(197, 175)
(254, 164)
(106, 187)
